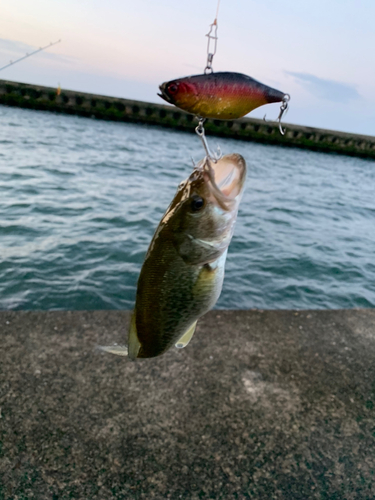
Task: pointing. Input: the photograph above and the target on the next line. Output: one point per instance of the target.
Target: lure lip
(163, 93)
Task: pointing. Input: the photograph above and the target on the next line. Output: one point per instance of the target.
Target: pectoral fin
(187, 336)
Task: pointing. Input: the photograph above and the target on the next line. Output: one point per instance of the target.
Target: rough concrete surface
(260, 405)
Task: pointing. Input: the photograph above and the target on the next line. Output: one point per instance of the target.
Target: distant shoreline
(38, 97)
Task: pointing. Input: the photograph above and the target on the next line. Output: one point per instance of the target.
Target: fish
(183, 271)
(221, 96)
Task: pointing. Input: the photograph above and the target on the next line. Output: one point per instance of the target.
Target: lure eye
(172, 88)
(197, 203)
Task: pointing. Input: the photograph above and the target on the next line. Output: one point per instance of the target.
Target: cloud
(326, 89)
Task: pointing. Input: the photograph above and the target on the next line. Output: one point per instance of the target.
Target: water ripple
(81, 198)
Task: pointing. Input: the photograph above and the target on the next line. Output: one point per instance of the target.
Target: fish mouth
(226, 178)
(163, 93)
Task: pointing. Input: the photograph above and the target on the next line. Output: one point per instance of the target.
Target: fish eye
(197, 203)
(172, 88)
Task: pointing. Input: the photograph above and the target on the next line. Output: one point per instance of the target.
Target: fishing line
(217, 10)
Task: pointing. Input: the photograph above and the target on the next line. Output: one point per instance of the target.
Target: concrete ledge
(248, 129)
(261, 405)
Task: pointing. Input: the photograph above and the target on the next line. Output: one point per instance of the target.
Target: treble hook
(200, 132)
(283, 109)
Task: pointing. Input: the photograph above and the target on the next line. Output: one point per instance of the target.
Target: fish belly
(171, 297)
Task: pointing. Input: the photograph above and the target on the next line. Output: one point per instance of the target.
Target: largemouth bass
(223, 95)
(183, 272)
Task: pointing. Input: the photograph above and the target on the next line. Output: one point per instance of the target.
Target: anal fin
(187, 336)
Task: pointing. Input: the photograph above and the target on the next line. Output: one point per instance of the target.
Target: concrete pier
(248, 129)
(260, 405)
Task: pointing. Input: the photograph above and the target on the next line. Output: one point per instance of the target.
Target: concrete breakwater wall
(260, 405)
(248, 129)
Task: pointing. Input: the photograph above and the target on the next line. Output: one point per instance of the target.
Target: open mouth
(227, 176)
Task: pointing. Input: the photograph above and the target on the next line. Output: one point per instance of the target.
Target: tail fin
(120, 350)
(134, 344)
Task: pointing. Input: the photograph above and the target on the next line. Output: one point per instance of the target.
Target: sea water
(81, 198)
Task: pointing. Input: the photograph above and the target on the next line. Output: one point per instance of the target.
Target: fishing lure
(222, 96)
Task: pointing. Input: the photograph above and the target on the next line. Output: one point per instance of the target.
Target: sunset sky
(321, 52)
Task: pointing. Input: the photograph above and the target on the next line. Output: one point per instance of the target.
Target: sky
(321, 52)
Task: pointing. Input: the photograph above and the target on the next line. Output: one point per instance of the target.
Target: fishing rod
(31, 54)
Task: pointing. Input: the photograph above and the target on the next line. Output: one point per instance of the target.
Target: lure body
(223, 95)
